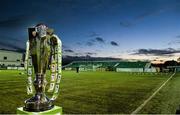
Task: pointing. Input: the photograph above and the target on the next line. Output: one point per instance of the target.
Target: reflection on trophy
(43, 51)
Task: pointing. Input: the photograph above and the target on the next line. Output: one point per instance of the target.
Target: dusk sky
(129, 29)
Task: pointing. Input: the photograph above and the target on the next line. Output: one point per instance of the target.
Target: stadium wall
(150, 70)
(136, 70)
(129, 69)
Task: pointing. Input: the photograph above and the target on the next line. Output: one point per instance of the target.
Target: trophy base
(37, 105)
(56, 110)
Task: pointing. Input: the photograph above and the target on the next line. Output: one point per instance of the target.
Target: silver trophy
(43, 51)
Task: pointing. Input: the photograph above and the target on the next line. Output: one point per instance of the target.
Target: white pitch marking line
(147, 100)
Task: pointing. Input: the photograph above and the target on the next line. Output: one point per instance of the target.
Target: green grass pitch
(98, 92)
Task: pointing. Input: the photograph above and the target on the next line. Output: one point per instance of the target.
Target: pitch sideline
(147, 100)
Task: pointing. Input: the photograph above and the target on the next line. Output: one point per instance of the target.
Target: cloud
(100, 40)
(113, 43)
(69, 51)
(150, 13)
(78, 53)
(90, 53)
(89, 43)
(93, 41)
(156, 52)
(85, 53)
(174, 42)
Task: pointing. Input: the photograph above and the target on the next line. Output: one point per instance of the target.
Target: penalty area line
(147, 100)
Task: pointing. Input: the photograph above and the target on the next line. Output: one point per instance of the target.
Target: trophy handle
(29, 70)
(56, 69)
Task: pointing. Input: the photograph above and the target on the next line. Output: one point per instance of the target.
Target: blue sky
(141, 29)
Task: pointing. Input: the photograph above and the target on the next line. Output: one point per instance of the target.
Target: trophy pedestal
(56, 110)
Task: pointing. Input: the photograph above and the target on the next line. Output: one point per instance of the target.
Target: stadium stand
(118, 66)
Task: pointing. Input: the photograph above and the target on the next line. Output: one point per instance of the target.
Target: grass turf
(94, 92)
(167, 100)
